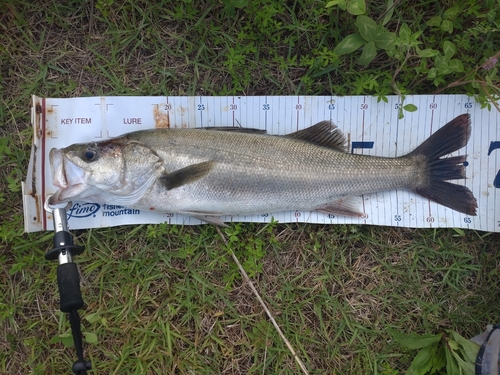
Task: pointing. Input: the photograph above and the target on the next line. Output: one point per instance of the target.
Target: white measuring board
(372, 128)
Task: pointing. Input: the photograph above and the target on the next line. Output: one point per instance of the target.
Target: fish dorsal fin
(186, 175)
(324, 133)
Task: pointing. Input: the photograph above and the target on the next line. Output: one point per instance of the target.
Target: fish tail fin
(451, 137)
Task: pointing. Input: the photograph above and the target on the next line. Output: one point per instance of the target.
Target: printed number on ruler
(266, 107)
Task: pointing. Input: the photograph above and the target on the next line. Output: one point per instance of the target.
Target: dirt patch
(162, 119)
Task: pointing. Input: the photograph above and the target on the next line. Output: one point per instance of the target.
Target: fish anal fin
(186, 175)
(324, 133)
(346, 206)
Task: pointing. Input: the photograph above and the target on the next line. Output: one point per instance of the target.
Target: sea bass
(209, 173)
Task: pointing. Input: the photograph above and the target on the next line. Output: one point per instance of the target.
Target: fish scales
(262, 173)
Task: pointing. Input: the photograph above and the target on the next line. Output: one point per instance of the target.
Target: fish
(212, 173)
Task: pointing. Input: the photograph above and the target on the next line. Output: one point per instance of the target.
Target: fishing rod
(68, 279)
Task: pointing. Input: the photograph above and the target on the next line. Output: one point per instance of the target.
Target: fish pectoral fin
(346, 206)
(324, 133)
(186, 175)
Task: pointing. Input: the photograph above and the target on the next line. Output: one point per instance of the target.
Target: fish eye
(90, 155)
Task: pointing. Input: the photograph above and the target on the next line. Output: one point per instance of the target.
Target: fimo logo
(79, 210)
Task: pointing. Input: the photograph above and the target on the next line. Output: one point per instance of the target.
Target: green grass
(171, 300)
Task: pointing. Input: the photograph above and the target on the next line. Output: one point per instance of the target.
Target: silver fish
(208, 173)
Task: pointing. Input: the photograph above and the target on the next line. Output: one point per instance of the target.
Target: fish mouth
(67, 176)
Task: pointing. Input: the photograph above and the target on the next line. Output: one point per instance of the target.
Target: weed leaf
(444, 69)
(349, 44)
(240, 3)
(92, 318)
(456, 65)
(434, 21)
(465, 367)
(428, 52)
(366, 27)
(449, 49)
(385, 40)
(451, 366)
(460, 354)
(423, 361)
(404, 32)
(91, 338)
(410, 108)
(414, 340)
(368, 54)
(356, 7)
(451, 13)
(447, 25)
(438, 360)
(441, 65)
(65, 338)
(390, 12)
(470, 349)
(335, 2)
(230, 5)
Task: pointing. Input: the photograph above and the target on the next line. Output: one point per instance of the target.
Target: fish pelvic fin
(186, 175)
(207, 217)
(435, 170)
(211, 220)
(324, 133)
(346, 206)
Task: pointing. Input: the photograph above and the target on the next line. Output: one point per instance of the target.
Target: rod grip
(68, 281)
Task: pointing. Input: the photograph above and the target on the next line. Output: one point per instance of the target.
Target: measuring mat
(371, 127)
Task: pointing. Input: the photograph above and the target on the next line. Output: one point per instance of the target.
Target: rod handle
(68, 281)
